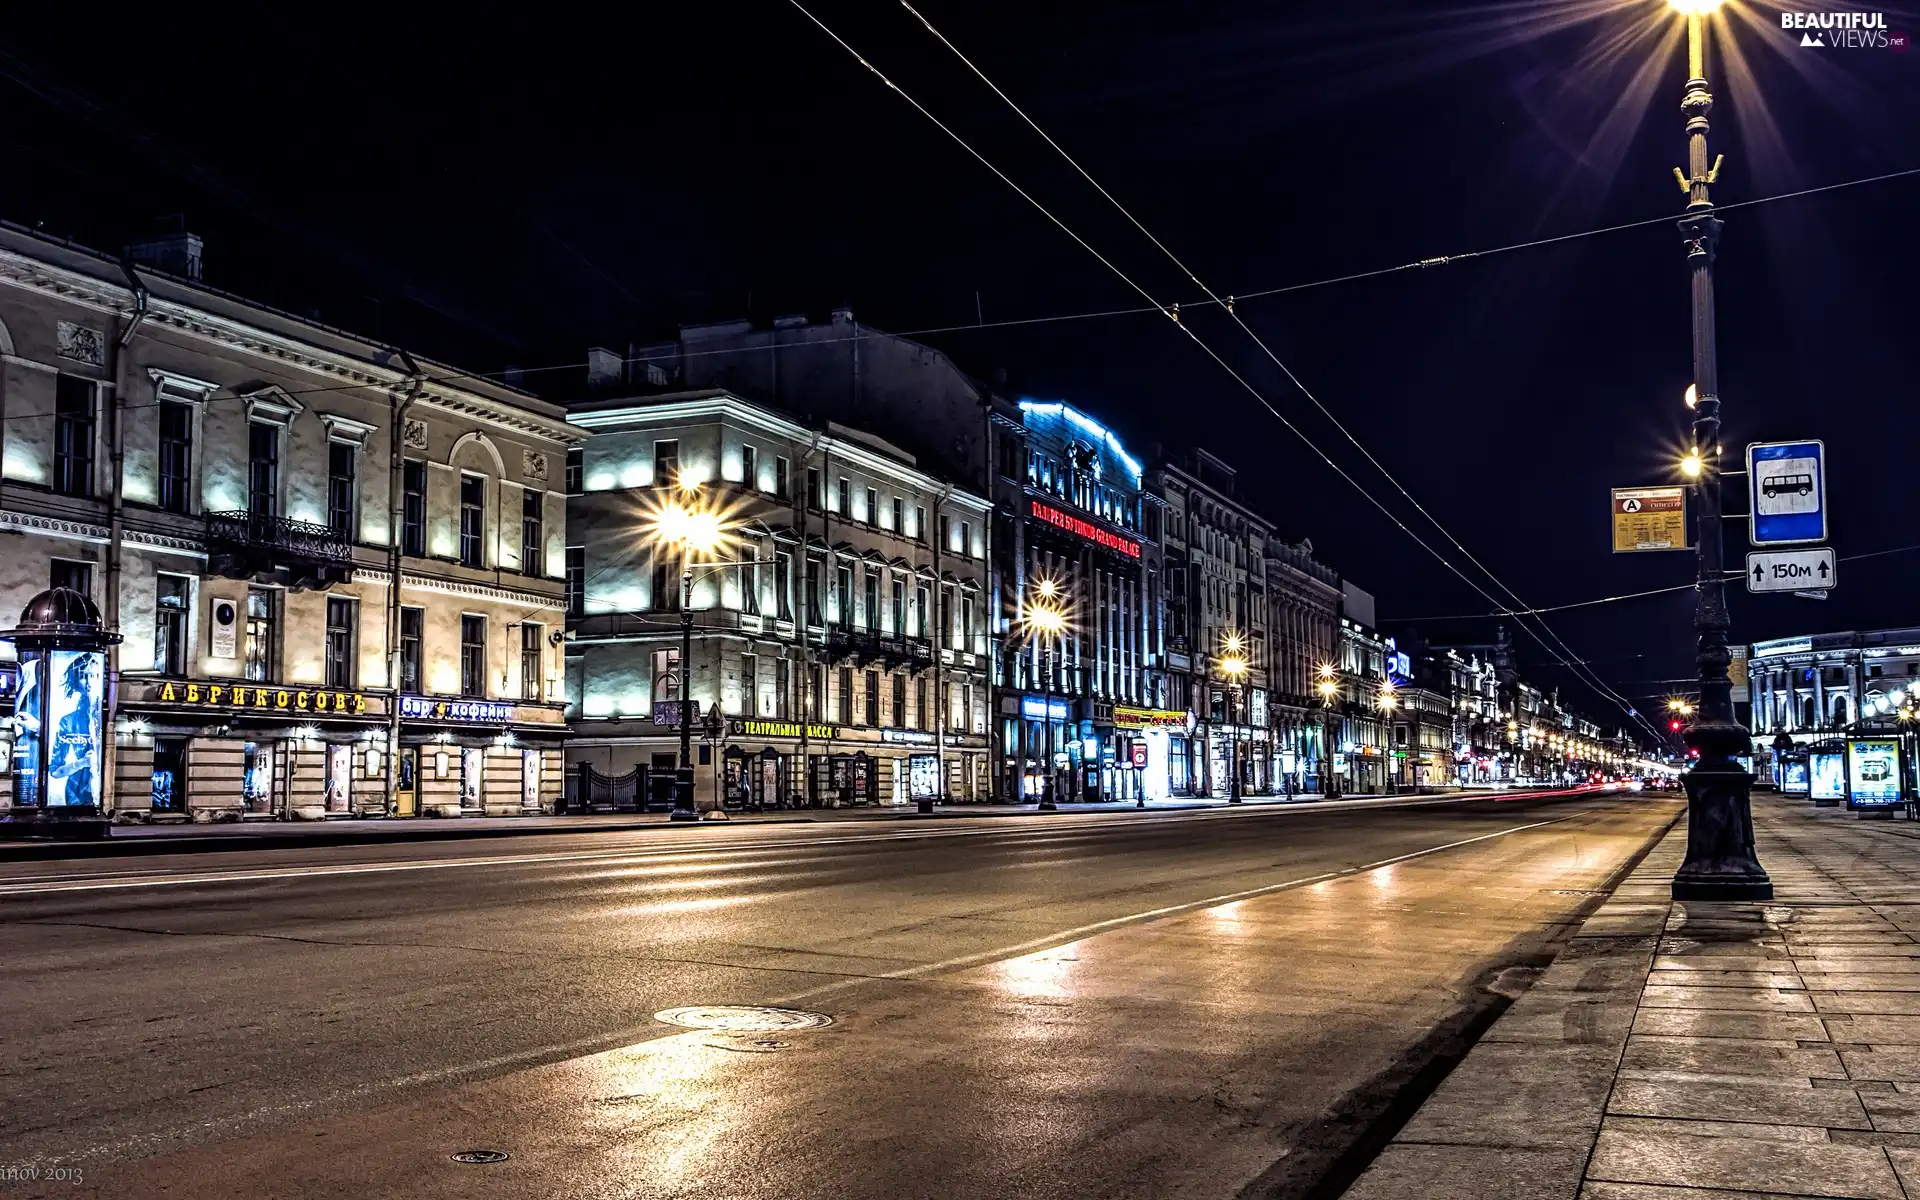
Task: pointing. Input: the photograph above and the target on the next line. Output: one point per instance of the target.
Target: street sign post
(1650, 518)
(1791, 570)
(1786, 492)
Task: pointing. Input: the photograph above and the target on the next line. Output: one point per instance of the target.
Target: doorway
(169, 775)
(406, 788)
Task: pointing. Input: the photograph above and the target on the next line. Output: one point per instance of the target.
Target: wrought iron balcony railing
(253, 545)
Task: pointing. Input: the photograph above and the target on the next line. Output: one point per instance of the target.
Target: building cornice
(453, 587)
(31, 274)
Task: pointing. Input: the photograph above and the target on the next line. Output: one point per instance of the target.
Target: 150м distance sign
(1790, 570)
(1650, 518)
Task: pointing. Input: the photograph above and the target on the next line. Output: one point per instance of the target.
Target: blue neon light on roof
(1075, 416)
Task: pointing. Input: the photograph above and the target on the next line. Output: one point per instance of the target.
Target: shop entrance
(169, 775)
(406, 790)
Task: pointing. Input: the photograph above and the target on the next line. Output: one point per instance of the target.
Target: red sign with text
(1084, 529)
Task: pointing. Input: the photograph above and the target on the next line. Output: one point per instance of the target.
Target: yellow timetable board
(1650, 518)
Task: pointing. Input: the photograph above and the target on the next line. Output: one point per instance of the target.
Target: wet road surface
(1192, 1004)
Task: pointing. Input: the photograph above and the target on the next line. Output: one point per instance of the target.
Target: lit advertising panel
(74, 682)
(1827, 777)
(1794, 777)
(26, 743)
(1873, 772)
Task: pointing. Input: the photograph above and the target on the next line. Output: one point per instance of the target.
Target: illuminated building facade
(1085, 713)
(840, 647)
(1215, 550)
(335, 571)
(1811, 688)
(1303, 596)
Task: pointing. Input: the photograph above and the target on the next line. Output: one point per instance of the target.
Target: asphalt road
(1195, 1004)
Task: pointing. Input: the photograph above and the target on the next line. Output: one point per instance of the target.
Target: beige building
(224, 481)
(842, 633)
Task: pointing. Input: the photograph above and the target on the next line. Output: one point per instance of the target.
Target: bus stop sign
(1786, 493)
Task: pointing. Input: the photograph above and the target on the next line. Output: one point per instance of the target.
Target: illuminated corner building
(1072, 514)
(1216, 586)
(1066, 497)
(1360, 740)
(1819, 687)
(840, 632)
(262, 507)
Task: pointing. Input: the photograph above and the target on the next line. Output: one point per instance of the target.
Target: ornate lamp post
(690, 525)
(1044, 616)
(1233, 668)
(1720, 862)
(1329, 690)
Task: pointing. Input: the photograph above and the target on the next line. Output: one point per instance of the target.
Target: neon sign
(1083, 529)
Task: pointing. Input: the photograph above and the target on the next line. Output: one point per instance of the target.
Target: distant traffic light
(1674, 725)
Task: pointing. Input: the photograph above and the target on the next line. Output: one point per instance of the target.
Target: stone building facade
(842, 632)
(1303, 595)
(224, 481)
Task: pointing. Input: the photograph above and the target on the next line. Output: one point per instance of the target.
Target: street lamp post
(1045, 618)
(1233, 665)
(1328, 689)
(1720, 862)
(691, 526)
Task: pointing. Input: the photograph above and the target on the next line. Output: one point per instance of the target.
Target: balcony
(860, 647)
(298, 554)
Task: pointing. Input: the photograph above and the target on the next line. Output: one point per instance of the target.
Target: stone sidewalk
(1682, 1051)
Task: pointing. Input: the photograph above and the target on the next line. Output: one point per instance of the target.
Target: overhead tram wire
(1678, 587)
(498, 377)
(1573, 661)
(1184, 327)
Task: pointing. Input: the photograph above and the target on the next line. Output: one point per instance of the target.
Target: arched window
(1839, 710)
(1809, 715)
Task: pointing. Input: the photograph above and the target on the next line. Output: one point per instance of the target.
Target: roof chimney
(843, 316)
(174, 253)
(605, 368)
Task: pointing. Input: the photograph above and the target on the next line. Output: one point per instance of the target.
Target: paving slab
(1406, 1172)
(1678, 1159)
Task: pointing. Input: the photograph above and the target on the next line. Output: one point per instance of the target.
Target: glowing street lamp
(1329, 689)
(1232, 663)
(693, 526)
(1044, 617)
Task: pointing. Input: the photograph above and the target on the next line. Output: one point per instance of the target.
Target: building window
(749, 685)
(341, 489)
(73, 436)
(873, 507)
(966, 625)
(844, 499)
(75, 576)
(920, 718)
(532, 651)
(576, 469)
(413, 623)
(783, 586)
(413, 509)
(263, 469)
(532, 539)
(666, 464)
(666, 675)
(870, 619)
(813, 591)
(172, 601)
(473, 655)
(750, 584)
(576, 580)
(920, 599)
(749, 469)
(261, 606)
(782, 688)
(176, 455)
(899, 701)
(169, 775)
(919, 524)
(899, 516)
(843, 597)
(873, 698)
(816, 497)
(665, 595)
(341, 614)
(899, 607)
(473, 513)
(780, 484)
(844, 709)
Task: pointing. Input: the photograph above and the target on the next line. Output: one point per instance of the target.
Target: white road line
(76, 882)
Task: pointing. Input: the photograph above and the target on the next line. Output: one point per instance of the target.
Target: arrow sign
(1791, 570)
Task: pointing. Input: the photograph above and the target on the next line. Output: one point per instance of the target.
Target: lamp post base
(63, 824)
(683, 806)
(1720, 861)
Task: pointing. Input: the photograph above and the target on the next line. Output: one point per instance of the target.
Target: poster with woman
(74, 712)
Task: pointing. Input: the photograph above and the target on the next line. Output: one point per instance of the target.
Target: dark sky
(512, 190)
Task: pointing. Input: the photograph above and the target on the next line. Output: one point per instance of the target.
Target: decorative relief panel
(533, 464)
(81, 344)
(414, 436)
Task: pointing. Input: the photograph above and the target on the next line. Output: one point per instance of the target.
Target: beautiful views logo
(1844, 30)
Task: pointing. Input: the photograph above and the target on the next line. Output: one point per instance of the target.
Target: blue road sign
(1786, 492)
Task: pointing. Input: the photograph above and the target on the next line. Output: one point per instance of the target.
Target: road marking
(76, 882)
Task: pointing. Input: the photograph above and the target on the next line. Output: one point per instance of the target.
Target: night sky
(511, 191)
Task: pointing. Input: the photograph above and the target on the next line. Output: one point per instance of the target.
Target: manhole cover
(480, 1157)
(743, 1018)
